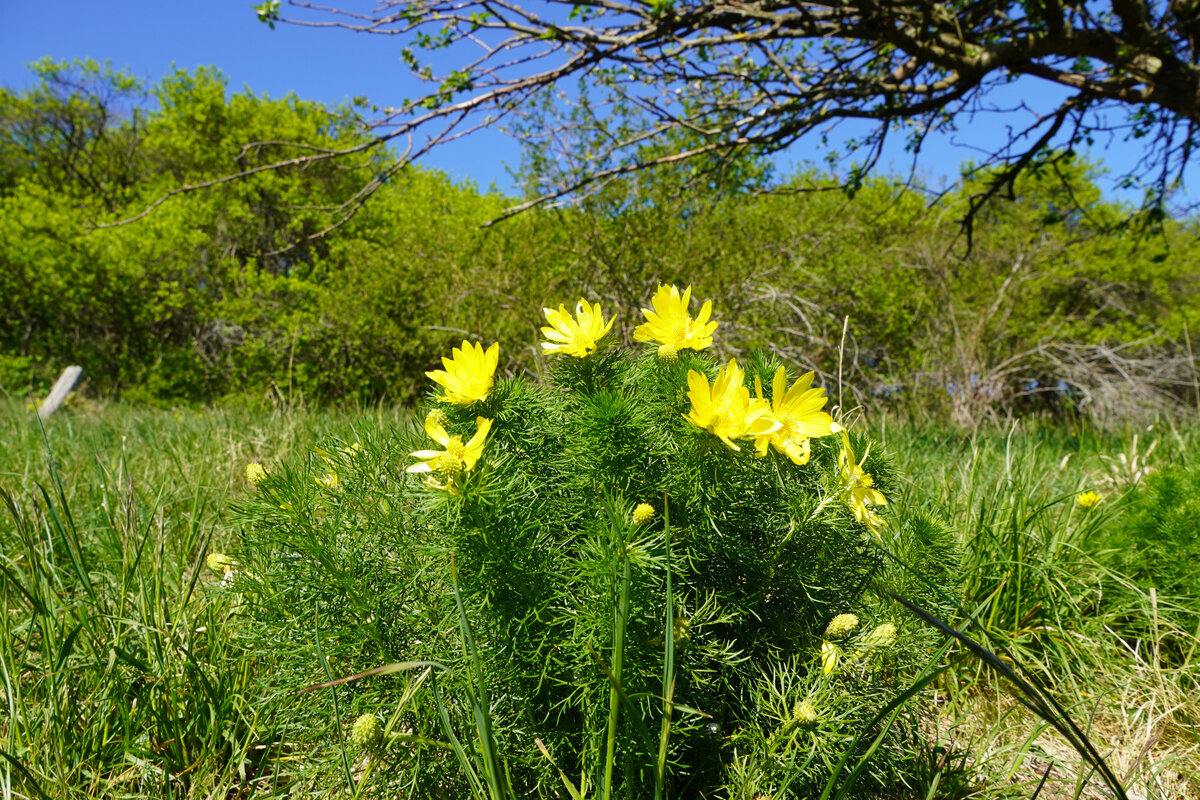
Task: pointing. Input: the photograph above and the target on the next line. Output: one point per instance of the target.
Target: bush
(1156, 545)
(626, 580)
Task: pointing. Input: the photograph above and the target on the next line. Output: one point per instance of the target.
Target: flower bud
(668, 353)
(804, 715)
(367, 733)
(841, 626)
(255, 473)
(643, 514)
(682, 632)
(882, 636)
(220, 563)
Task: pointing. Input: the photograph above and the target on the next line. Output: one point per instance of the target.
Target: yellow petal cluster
(800, 416)
(1087, 499)
(859, 485)
(724, 408)
(455, 458)
(468, 374)
(575, 336)
(669, 323)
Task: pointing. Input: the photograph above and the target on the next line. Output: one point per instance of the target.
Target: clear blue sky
(330, 66)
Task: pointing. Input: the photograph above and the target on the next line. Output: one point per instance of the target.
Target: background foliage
(230, 292)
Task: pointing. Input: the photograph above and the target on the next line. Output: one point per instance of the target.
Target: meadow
(130, 670)
(176, 626)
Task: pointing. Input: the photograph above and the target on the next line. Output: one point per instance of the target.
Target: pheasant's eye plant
(643, 576)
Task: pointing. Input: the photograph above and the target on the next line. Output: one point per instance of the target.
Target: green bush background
(234, 292)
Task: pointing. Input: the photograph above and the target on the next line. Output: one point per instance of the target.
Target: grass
(121, 667)
(1047, 601)
(125, 674)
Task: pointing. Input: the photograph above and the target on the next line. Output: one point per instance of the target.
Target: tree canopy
(761, 74)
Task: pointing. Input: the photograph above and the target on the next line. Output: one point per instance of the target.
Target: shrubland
(266, 290)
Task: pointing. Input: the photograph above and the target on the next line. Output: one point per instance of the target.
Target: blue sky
(330, 66)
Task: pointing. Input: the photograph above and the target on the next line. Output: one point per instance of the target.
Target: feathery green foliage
(559, 627)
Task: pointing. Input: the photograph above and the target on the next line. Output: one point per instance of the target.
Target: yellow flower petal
(859, 487)
(469, 373)
(576, 336)
(800, 416)
(668, 322)
(829, 657)
(725, 408)
(456, 458)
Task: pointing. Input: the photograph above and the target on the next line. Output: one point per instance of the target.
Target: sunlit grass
(1048, 601)
(124, 674)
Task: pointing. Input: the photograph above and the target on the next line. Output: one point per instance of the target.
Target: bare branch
(764, 74)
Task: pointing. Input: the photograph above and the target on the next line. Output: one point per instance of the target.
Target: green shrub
(1156, 545)
(590, 588)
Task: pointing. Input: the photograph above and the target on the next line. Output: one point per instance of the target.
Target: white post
(62, 387)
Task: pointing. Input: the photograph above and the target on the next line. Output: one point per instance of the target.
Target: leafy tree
(240, 290)
(77, 131)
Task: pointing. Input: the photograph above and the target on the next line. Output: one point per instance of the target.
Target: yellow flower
(798, 410)
(671, 326)
(575, 337)
(859, 485)
(468, 376)
(255, 474)
(643, 513)
(456, 458)
(330, 480)
(1087, 499)
(829, 656)
(725, 408)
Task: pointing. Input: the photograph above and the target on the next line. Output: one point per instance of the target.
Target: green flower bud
(883, 636)
(220, 563)
(367, 733)
(255, 473)
(841, 626)
(804, 715)
(683, 631)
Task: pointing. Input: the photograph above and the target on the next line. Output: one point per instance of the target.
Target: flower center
(723, 414)
(450, 463)
(581, 341)
(679, 332)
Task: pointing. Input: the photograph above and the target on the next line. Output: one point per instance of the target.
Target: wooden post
(62, 387)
